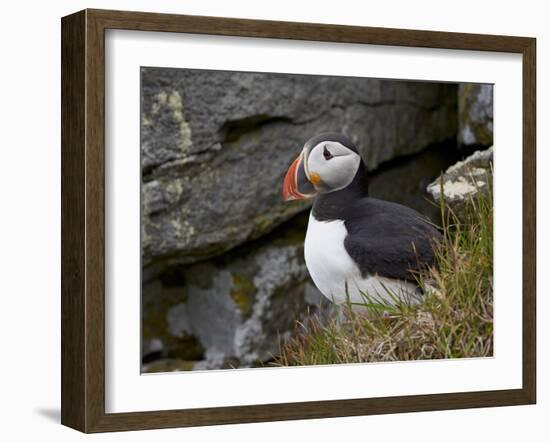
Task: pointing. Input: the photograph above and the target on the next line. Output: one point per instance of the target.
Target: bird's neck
(335, 205)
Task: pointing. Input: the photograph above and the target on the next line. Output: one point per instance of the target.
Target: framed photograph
(269, 220)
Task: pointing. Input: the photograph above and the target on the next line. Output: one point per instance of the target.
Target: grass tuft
(454, 320)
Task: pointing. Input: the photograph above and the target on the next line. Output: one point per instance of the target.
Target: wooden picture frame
(83, 217)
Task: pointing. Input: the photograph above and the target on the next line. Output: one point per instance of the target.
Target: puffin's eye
(327, 154)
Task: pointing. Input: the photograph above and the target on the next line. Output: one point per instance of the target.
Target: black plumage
(383, 238)
(389, 239)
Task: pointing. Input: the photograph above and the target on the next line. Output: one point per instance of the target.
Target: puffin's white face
(331, 166)
(325, 166)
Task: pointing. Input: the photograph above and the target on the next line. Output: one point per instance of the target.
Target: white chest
(328, 263)
(335, 273)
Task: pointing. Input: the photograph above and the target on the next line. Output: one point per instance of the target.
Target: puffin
(357, 248)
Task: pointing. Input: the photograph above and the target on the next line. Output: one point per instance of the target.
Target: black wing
(389, 239)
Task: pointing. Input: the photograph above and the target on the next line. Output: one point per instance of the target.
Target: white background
(128, 391)
(30, 217)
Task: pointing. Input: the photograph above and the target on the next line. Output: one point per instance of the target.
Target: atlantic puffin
(357, 248)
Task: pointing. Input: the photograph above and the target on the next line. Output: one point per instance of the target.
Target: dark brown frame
(83, 215)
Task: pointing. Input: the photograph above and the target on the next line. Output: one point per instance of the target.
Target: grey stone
(464, 180)
(405, 182)
(233, 311)
(475, 113)
(164, 331)
(168, 365)
(216, 145)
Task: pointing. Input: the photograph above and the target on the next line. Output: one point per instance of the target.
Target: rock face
(475, 113)
(232, 311)
(464, 180)
(216, 145)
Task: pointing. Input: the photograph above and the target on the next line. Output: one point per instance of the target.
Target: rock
(464, 180)
(475, 113)
(232, 311)
(216, 146)
(404, 181)
(159, 337)
(168, 365)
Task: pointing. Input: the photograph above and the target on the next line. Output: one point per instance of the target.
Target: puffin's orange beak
(296, 185)
(290, 184)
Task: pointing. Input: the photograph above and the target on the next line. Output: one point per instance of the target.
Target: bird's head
(327, 162)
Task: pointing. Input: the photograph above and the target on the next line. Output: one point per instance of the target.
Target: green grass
(455, 319)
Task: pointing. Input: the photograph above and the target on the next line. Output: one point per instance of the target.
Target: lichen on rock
(243, 292)
(464, 180)
(166, 134)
